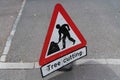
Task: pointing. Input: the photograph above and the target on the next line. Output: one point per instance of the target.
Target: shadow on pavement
(88, 72)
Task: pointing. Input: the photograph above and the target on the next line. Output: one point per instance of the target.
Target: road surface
(98, 21)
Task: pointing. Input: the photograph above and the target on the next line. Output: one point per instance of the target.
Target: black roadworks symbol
(63, 32)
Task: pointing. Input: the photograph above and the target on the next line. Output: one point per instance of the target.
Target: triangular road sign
(61, 17)
(63, 37)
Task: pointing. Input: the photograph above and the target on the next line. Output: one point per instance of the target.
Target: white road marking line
(9, 39)
(98, 61)
(37, 65)
(34, 65)
(92, 61)
(113, 61)
(16, 65)
(3, 57)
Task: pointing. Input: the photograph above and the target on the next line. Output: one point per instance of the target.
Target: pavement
(27, 22)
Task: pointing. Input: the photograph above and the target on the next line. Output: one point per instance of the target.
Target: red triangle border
(59, 8)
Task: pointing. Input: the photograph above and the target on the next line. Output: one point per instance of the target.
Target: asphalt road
(98, 21)
(8, 12)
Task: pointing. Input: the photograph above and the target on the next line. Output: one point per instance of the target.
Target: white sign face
(56, 64)
(55, 35)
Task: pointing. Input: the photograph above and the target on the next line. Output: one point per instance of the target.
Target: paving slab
(20, 74)
(90, 72)
(79, 72)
